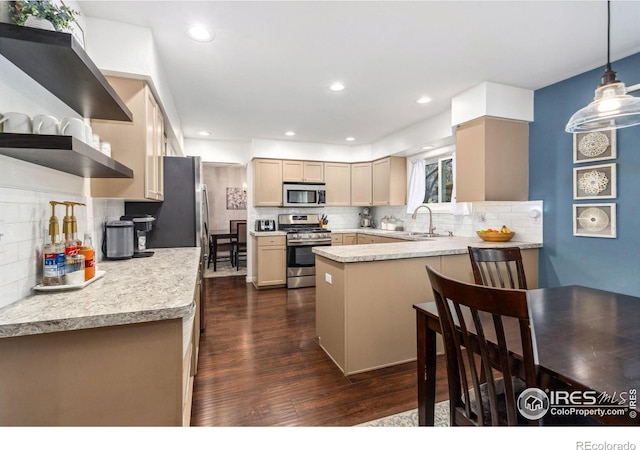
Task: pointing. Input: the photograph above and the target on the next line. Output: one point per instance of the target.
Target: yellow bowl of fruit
(504, 234)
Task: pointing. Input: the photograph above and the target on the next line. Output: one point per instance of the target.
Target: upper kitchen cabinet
(303, 171)
(337, 177)
(389, 181)
(140, 144)
(361, 187)
(267, 182)
(492, 160)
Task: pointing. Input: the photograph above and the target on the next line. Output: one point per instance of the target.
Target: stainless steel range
(303, 233)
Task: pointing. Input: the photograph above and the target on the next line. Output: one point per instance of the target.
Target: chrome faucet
(431, 227)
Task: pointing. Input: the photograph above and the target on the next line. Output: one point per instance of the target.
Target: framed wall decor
(590, 182)
(594, 220)
(594, 146)
(236, 198)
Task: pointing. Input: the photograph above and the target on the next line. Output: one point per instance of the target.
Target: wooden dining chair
(472, 319)
(240, 244)
(498, 267)
(233, 230)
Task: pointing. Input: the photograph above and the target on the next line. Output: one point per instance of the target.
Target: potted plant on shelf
(43, 14)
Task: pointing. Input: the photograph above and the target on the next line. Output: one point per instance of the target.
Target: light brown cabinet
(492, 160)
(349, 239)
(267, 182)
(361, 184)
(270, 261)
(337, 183)
(303, 171)
(359, 337)
(373, 239)
(389, 181)
(139, 145)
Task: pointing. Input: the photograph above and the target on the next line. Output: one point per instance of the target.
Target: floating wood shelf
(64, 153)
(58, 62)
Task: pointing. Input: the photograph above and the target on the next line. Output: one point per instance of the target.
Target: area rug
(224, 269)
(410, 418)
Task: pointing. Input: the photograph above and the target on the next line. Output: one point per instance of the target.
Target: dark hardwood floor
(260, 365)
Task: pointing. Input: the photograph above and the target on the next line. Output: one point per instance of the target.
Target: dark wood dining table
(587, 339)
(219, 235)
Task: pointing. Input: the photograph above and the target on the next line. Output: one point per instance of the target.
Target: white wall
(218, 151)
(105, 41)
(218, 178)
(435, 131)
(25, 192)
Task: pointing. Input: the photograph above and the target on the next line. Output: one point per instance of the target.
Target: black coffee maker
(142, 224)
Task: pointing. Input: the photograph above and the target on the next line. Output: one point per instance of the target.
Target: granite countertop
(417, 247)
(134, 290)
(267, 233)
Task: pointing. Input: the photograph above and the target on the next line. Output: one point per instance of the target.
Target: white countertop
(417, 247)
(134, 290)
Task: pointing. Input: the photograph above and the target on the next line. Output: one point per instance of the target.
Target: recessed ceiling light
(423, 100)
(290, 133)
(350, 139)
(428, 147)
(204, 133)
(337, 87)
(200, 34)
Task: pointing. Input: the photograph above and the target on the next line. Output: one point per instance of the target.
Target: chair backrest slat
(498, 267)
(242, 232)
(482, 326)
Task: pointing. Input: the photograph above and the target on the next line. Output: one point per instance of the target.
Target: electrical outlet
(327, 278)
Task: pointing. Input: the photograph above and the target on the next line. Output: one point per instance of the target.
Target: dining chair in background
(478, 394)
(498, 267)
(240, 244)
(220, 249)
(233, 230)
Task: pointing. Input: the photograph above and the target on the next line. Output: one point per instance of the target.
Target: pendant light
(611, 106)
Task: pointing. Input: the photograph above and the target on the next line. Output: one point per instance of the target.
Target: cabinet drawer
(272, 240)
(336, 238)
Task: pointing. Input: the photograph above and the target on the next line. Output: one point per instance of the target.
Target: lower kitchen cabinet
(127, 375)
(349, 239)
(270, 260)
(365, 238)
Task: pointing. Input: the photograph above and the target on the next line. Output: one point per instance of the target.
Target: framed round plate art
(594, 220)
(594, 146)
(592, 182)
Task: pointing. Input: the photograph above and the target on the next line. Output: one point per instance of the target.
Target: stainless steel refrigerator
(183, 215)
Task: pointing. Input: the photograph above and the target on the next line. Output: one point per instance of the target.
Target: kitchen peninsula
(365, 293)
(121, 351)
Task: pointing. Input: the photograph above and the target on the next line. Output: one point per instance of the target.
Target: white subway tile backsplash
(24, 219)
(8, 292)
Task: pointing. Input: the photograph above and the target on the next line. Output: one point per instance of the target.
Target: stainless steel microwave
(303, 194)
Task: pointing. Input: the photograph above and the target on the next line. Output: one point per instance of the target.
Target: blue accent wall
(611, 264)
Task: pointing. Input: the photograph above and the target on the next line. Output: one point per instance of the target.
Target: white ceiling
(268, 68)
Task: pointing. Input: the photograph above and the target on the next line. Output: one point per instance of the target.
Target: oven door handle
(299, 243)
